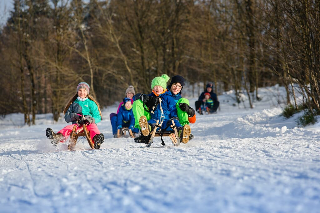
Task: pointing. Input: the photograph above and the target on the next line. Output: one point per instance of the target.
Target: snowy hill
(241, 160)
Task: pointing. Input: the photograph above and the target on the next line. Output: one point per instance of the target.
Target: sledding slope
(241, 160)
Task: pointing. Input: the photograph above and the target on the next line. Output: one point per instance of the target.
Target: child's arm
(94, 111)
(132, 120)
(73, 113)
(120, 118)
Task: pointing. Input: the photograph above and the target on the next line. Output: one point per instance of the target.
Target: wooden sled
(154, 133)
(83, 131)
(123, 132)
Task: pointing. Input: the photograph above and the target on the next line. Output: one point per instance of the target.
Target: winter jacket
(209, 103)
(176, 97)
(86, 108)
(125, 116)
(132, 100)
(168, 106)
(183, 118)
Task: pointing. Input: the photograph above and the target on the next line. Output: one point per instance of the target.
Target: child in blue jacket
(125, 117)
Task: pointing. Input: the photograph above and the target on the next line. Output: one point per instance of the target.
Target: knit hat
(176, 79)
(207, 94)
(130, 89)
(125, 100)
(83, 85)
(209, 85)
(160, 81)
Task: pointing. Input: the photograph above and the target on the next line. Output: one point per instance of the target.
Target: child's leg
(93, 129)
(183, 116)
(113, 120)
(66, 131)
(138, 111)
(167, 125)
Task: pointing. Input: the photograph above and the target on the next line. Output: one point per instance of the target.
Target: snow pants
(92, 128)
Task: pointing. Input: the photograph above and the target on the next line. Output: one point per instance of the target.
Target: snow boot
(98, 140)
(49, 133)
(144, 126)
(55, 138)
(191, 136)
(184, 133)
(142, 139)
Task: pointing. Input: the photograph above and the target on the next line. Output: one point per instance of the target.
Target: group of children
(162, 110)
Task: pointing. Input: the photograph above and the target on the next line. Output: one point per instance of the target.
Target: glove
(88, 120)
(77, 116)
(120, 127)
(144, 98)
(152, 102)
(149, 101)
(186, 108)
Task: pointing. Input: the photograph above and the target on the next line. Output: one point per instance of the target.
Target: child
(208, 105)
(186, 114)
(125, 116)
(81, 109)
(113, 116)
(159, 106)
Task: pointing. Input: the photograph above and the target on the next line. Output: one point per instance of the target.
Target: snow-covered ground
(241, 160)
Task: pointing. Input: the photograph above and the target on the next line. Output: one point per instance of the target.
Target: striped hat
(83, 85)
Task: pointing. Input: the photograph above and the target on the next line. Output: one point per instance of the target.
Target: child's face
(158, 89)
(176, 88)
(130, 95)
(82, 93)
(207, 97)
(128, 105)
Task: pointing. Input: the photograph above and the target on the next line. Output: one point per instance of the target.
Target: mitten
(152, 102)
(88, 119)
(186, 108)
(77, 116)
(144, 98)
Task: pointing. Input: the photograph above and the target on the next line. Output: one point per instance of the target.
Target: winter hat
(207, 94)
(177, 79)
(160, 81)
(130, 89)
(209, 85)
(125, 100)
(83, 85)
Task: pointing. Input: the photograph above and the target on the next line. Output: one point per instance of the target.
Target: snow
(241, 160)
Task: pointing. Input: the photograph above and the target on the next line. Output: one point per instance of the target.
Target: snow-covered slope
(241, 160)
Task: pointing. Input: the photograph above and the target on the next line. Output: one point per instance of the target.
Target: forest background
(48, 46)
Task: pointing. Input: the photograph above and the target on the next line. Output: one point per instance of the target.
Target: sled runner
(123, 132)
(83, 131)
(147, 136)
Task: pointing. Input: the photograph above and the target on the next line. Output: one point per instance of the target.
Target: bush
(308, 118)
(289, 111)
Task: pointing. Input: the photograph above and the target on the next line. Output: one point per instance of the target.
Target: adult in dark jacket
(200, 102)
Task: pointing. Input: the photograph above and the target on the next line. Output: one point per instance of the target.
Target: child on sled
(186, 114)
(113, 116)
(81, 109)
(125, 118)
(158, 110)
